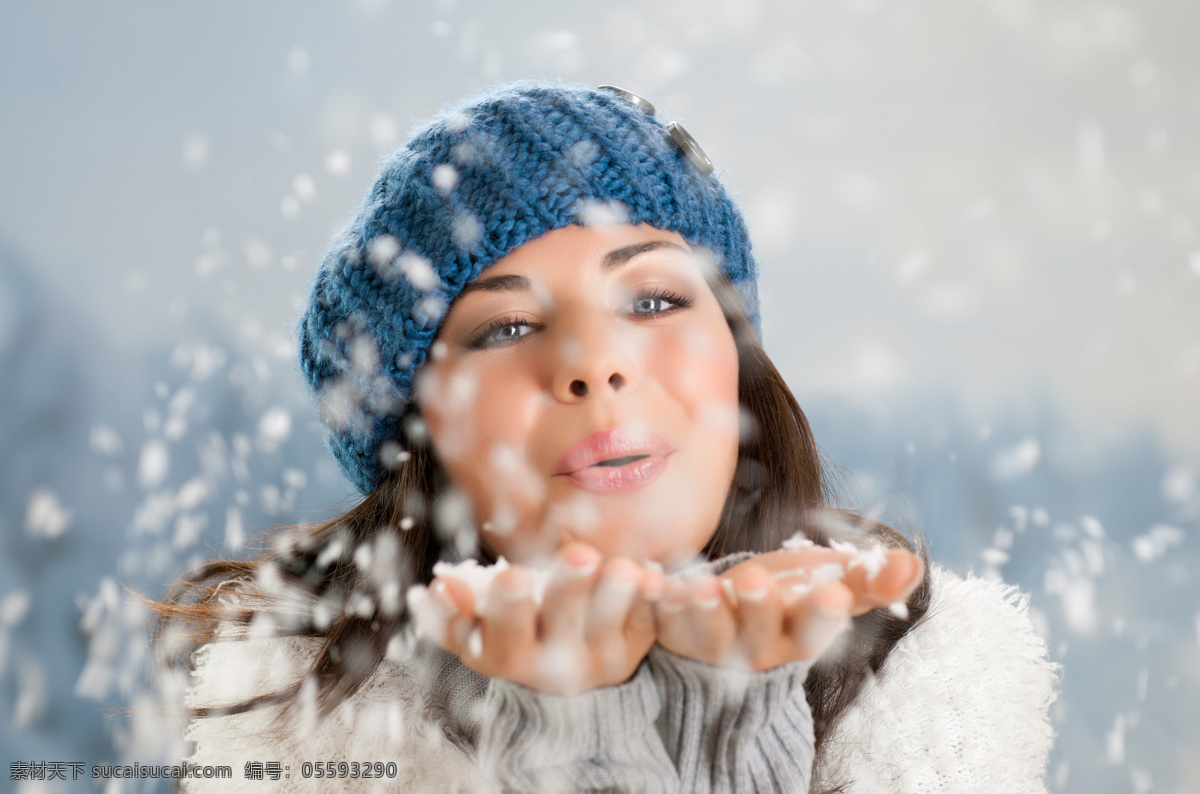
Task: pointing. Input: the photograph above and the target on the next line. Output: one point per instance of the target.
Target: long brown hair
(781, 485)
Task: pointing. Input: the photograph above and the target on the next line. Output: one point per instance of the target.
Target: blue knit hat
(487, 176)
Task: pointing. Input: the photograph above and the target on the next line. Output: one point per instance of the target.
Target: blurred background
(977, 227)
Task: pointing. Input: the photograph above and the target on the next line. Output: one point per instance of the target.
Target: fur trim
(961, 703)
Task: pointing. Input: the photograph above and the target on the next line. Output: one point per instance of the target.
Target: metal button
(688, 144)
(630, 97)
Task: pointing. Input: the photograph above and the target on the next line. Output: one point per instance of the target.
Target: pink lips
(580, 463)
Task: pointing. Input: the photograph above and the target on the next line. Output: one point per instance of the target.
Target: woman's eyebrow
(620, 256)
(497, 284)
(612, 259)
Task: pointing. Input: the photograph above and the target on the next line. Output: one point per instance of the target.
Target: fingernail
(584, 569)
(518, 591)
(790, 595)
(581, 567)
(915, 581)
(655, 590)
(708, 600)
(754, 595)
(669, 604)
(730, 591)
(674, 596)
(899, 609)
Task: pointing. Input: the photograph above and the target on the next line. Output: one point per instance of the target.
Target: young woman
(535, 348)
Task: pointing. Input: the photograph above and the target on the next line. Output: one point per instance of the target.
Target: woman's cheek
(711, 388)
(516, 490)
(500, 461)
(448, 398)
(703, 369)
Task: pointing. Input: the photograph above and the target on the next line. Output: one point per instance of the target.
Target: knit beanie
(486, 176)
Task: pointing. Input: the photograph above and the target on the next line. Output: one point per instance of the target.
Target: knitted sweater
(961, 705)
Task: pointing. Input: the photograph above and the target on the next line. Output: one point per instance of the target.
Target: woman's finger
(508, 632)
(673, 632)
(612, 598)
(708, 620)
(640, 623)
(563, 665)
(894, 581)
(759, 616)
(447, 614)
(565, 608)
(817, 619)
(898, 579)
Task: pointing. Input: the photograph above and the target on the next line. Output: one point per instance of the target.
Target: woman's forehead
(573, 248)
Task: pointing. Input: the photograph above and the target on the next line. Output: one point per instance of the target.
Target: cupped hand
(780, 607)
(593, 626)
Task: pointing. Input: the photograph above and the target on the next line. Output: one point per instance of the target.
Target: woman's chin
(663, 541)
(653, 523)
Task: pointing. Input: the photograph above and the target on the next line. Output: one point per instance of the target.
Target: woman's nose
(594, 363)
(579, 387)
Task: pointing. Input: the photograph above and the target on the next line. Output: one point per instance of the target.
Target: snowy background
(977, 222)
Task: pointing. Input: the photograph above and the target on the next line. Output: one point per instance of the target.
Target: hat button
(687, 143)
(630, 97)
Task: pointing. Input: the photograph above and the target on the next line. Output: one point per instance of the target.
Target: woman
(537, 341)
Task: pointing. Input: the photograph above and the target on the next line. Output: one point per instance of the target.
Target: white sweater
(961, 705)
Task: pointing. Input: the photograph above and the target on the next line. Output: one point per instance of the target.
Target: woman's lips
(581, 462)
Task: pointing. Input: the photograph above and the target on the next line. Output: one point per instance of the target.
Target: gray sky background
(994, 198)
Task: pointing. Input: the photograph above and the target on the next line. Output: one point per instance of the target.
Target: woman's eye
(659, 304)
(499, 335)
(650, 305)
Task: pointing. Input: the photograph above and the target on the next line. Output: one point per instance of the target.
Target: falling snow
(467, 231)
(106, 441)
(602, 213)
(338, 162)
(1017, 460)
(196, 151)
(45, 517)
(1155, 543)
(274, 426)
(419, 272)
(153, 464)
(445, 177)
(13, 608)
(305, 188)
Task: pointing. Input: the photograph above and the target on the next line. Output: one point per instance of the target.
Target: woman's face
(585, 388)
